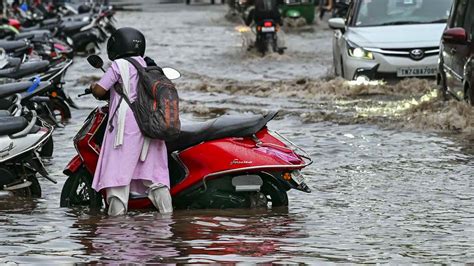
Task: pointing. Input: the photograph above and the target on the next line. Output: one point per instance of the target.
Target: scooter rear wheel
(33, 191)
(78, 191)
(273, 194)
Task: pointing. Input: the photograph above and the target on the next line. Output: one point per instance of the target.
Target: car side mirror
(455, 36)
(337, 23)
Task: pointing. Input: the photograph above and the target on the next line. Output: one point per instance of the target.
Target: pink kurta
(121, 166)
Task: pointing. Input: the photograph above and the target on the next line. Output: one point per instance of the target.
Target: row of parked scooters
(37, 46)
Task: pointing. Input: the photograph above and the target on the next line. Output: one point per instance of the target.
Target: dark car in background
(457, 53)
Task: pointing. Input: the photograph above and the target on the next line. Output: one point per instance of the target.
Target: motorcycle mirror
(95, 61)
(171, 73)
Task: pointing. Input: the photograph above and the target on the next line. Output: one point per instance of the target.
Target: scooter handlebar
(86, 92)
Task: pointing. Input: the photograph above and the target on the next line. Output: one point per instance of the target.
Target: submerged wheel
(270, 195)
(442, 85)
(78, 191)
(469, 96)
(61, 110)
(33, 191)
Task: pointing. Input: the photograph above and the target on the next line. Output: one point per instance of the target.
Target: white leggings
(159, 195)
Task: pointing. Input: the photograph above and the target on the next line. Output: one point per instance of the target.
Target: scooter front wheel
(78, 191)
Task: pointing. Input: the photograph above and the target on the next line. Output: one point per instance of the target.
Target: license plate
(417, 71)
(268, 29)
(298, 177)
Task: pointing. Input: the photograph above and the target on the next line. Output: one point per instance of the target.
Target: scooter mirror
(95, 61)
(171, 73)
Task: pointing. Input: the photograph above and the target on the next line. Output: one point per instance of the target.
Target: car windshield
(401, 12)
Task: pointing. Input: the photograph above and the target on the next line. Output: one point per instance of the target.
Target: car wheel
(342, 69)
(442, 85)
(334, 66)
(469, 95)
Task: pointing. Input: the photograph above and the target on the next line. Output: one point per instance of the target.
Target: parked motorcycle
(228, 162)
(20, 141)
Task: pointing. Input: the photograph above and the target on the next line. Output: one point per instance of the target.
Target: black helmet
(126, 42)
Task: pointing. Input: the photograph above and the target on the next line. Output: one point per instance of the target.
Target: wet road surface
(391, 180)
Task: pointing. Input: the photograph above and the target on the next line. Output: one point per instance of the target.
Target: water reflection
(186, 236)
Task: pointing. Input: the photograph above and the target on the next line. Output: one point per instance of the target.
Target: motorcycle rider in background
(263, 10)
(128, 162)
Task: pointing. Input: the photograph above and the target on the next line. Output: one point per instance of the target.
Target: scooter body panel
(10, 148)
(235, 155)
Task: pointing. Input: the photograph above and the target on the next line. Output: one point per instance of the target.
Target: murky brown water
(386, 188)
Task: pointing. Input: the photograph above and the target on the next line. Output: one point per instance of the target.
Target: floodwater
(392, 178)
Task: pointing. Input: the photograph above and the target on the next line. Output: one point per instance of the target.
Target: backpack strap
(118, 88)
(134, 62)
(139, 67)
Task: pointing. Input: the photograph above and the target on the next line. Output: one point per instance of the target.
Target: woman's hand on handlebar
(98, 92)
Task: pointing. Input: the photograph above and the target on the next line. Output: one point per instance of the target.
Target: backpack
(156, 108)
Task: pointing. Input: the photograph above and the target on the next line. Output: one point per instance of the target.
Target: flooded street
(391, 183)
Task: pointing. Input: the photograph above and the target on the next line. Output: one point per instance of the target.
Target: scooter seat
(13, 88)
(32, 28)
(12, 125)
(223, 127)
(37, 34)
(25, 69)
(4, 113)
(12, 46)
(73, 26)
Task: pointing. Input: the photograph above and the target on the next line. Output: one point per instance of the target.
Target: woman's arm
(98, 91)
(101, 89)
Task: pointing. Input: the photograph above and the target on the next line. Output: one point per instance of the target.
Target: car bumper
(384, 67)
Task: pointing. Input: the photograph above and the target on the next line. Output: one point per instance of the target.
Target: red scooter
(228, 162)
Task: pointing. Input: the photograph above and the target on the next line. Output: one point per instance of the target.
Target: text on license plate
(268, 29)
(298, 177)
(416, 71)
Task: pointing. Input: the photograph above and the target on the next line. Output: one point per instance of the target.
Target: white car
(389, 39)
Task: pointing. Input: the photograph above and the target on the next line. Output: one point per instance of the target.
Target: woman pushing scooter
(128, 161)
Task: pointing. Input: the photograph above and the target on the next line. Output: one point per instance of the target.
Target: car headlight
(361, 53)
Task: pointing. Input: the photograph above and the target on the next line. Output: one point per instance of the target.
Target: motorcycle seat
(223, 127)
(13, 88)
(73, 26)
(12, 46)
(12, 125)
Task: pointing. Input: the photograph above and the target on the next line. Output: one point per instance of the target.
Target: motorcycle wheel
(78, 191)
(61, 110)
(33, 191)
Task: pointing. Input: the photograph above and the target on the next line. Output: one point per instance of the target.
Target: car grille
(412, 53)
